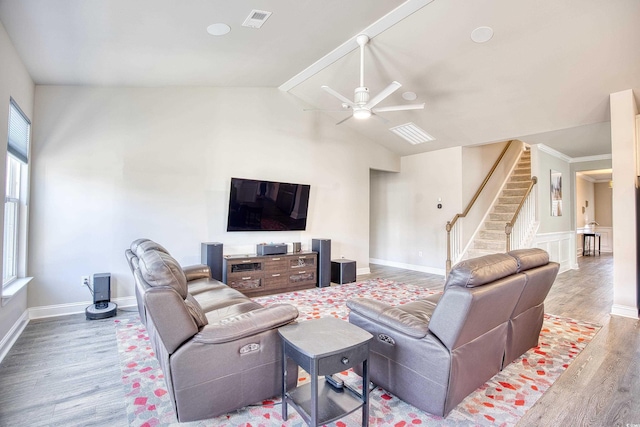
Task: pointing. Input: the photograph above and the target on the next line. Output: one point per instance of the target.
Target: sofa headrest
(160, 269)
(149, 245)
(135, 243)
(530, 258)
(480, 271)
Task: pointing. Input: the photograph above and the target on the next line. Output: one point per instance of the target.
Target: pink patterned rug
(501, 401)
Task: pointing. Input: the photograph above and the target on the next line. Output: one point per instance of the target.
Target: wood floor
(65, 371)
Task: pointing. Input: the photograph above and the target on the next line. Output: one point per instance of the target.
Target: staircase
(491, 237)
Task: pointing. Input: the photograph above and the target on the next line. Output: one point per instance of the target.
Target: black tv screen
(267, 206)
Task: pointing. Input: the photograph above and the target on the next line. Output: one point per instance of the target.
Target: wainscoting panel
(561, 248)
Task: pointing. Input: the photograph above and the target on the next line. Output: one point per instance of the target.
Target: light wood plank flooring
(65, 371)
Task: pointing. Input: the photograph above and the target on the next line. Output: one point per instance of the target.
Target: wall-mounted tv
(267, 206)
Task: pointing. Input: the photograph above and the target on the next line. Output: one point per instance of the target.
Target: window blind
(19, 128)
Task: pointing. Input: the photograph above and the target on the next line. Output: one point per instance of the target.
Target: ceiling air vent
(256, 18)
(412, 133)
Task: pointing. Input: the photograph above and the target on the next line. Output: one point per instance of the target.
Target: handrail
(451, 223)
(484, 184)
(509, 227)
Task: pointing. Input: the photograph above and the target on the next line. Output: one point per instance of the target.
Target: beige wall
(407, 228)
(115, 164)
(585, 198)
(603, 204)
(14, 83)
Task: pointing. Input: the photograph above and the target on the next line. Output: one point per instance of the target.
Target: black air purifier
(102, 306)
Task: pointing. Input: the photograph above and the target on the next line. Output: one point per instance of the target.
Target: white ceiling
(544, 77)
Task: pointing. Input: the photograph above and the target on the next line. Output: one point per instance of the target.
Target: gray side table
(323, 347)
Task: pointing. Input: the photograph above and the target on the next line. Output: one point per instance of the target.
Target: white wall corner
(624, 311)
(364, 270)
(14, 333)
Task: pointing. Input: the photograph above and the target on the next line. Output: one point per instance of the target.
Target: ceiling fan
(362, 106)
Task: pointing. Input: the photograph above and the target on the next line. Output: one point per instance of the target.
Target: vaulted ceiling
(544, 77)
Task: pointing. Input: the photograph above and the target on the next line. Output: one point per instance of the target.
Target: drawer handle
(246, 278)
(275, 275)
(275, 259)
(302, 257)
(345, 360)
(248, 260)
(302, 272)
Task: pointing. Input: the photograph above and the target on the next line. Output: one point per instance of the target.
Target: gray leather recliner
(218, 349)
(434, 352)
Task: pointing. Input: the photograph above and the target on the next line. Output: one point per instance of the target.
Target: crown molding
(378, 27)
(550, 151)
(562, 156)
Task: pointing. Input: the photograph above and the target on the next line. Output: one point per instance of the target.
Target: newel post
(448, 264)
(507, 230)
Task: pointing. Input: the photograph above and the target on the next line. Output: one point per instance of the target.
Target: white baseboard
(421, 268)
(74, 308)
(624, 311)
(361, 271)
(13, 334)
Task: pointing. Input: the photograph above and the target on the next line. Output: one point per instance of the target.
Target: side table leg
(314, 393)
(284, 382)
(365, 393)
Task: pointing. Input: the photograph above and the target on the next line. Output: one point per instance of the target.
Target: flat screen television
(267, 205)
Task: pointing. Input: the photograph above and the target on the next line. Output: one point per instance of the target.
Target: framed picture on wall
(556, 193)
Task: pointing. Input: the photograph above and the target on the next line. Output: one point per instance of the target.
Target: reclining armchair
(434, 352)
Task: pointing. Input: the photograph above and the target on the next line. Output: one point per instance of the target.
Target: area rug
(501, 401)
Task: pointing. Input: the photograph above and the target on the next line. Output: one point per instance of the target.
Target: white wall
(624, 152)
(16, 83)
(405, 219)
(115, 164)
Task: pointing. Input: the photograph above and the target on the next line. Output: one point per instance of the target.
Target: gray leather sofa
(219, 350)
(434, 352)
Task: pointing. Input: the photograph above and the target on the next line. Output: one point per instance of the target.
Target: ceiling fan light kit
(363, 105)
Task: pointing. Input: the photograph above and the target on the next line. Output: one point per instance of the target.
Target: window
(15, 191)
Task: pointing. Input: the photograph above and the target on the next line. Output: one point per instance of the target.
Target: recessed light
(482, 34)
(219, 29)
(410, 96)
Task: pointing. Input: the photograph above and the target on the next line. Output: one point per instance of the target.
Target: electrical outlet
(420, 254)
(84, 281)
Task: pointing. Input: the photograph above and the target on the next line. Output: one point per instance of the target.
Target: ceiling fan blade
(399, 108)
(343, 120)
(394, 86)
(339, 96)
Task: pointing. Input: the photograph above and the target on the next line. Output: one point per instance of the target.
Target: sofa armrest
(198, 271)
(247, 324)
(393, 317)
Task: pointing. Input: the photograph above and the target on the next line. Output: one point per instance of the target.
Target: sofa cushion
(530, 258)
(480, 271)
(149, 245)
(160, 269)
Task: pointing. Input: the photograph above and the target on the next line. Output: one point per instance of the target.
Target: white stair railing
(519, 231)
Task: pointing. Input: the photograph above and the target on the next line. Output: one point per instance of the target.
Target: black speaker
(323, 248)
(101, 287)
(211, 255)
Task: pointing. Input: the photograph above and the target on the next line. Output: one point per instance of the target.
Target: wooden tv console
(255, 275)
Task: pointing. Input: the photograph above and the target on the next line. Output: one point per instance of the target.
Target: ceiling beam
(378, 27)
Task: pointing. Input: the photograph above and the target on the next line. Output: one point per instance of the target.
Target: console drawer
(245, 282)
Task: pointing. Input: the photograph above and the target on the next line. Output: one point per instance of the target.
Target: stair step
(500, 208)
(520, 177)
(495, 225)
(493, 235)
(502, 217)
(490, 244)
(509, 200)
(522, 170)
(517, 184)
(514, 192)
